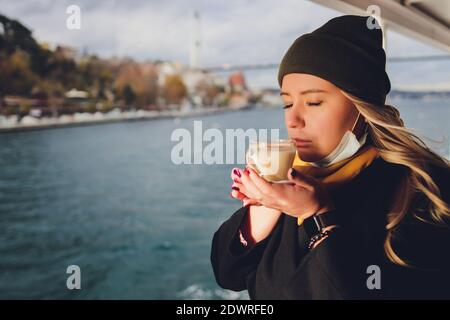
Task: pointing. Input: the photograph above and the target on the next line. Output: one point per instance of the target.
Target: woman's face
(316, 110)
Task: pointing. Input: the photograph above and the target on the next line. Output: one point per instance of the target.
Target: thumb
(248, 202)
(301, 179)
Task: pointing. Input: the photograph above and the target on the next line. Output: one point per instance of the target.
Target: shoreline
(68, 121)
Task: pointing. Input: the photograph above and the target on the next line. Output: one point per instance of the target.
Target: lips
(301, 142)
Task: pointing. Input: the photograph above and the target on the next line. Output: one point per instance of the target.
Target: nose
(294, 119)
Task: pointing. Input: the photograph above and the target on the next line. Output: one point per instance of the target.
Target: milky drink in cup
(271, 160)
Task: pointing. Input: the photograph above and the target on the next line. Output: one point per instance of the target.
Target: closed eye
(310, 104)
(314, 103)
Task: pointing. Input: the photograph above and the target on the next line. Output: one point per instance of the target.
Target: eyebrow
(304, 92)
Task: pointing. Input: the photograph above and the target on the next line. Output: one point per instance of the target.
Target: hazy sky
(232, 31)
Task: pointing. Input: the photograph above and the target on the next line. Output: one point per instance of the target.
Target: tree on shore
(174, 89)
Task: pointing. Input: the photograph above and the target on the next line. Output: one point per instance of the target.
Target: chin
(308, 159)
(308, 156)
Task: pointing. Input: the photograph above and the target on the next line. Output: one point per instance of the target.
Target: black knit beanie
(345, 52)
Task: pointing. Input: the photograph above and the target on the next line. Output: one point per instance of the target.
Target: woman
(366, 214)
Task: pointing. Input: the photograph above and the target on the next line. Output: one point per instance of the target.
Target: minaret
(194, 54)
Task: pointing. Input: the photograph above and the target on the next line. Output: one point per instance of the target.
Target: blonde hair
(399, 145)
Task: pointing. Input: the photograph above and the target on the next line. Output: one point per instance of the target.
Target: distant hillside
(26, 66)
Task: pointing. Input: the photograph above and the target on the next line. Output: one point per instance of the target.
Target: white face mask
(348, 146)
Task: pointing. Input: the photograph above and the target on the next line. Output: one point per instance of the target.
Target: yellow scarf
(340, 172)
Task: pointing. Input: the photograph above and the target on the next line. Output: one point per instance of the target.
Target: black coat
(281, 266)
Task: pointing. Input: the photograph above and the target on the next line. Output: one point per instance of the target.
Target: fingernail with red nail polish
(294, 173)
(235, 188)
(236, 172)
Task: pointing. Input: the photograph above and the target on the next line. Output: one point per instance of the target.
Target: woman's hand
(260, 221)
(301, 198)
(236, 175)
